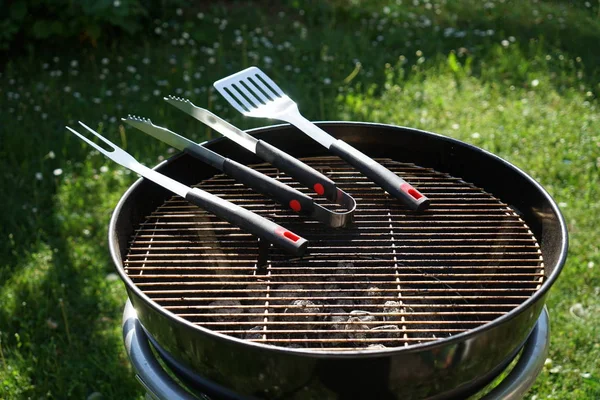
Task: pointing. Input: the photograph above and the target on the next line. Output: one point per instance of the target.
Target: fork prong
(88, 141)
(267, 82)
(108, 142)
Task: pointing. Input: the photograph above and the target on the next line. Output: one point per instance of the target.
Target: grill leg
(158, 384)
(530, 363)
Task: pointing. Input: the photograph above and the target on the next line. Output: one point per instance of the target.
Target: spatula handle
(392, 183)
(248, 221)
(306, 175)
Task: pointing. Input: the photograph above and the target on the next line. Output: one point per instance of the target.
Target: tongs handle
(248, 221)
(284, 194)
(306, 175)
(392, 183)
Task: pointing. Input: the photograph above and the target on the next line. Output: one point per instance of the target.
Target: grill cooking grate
(394, 278)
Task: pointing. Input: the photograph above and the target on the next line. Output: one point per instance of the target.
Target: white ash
(229, 307)
(257, 333)
(372, 292)
(354, 323)
(338, 320)
(383, 331)
(303, 306)
(393, 307)
(363, 316)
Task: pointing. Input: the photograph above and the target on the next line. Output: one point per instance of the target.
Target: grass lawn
(518, 78)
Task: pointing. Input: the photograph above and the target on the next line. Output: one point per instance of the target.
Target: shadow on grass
(64, 325)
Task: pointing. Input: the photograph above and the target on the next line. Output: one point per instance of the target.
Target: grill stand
(159, 385)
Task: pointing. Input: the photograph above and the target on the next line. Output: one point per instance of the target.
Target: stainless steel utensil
(254, 94)
(230, 212)
(284, 194)
(305, 174)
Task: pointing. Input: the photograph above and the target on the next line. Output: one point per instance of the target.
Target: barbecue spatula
(239, 216)
(254, 94)
(284, 194)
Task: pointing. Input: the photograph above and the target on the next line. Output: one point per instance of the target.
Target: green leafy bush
(86, 20)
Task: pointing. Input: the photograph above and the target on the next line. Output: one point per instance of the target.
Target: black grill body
(446, 367)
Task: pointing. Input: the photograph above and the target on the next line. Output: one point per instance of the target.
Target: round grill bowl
(447, 367)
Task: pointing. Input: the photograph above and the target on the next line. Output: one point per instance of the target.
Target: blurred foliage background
(520, 79)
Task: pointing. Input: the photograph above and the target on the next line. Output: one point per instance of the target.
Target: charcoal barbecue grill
(400, 304)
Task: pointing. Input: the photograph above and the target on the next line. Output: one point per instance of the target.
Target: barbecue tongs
(239, 216)
(286, 195)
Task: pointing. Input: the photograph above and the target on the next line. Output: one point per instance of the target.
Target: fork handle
(248, 221)
(392, 183)
(306, 175)
(284, 194)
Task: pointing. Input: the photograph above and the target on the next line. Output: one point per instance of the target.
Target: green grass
(520, 79)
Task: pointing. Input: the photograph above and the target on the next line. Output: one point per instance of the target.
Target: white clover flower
(200, 15)
(39, 176)
(105, 61)
(74, 64)
(51, 155)
(117, 3)
(179, 12)
(131, 68)
(535, 82)
(146, 60)
(158, 30)
(327, 81)
(104, 169)
(505, 43)
(67, 89)
(57, 172)
(156, 92)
